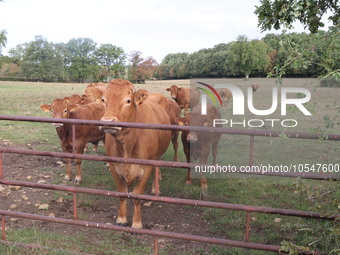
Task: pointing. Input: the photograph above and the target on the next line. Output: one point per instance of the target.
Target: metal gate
(156, 233)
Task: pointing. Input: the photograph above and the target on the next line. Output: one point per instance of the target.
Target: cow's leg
(68, 165)
(153, 191)
(187, 155)
(139, 189)
(204, 160)
(214, 149)
(86, 149)
(174, 140)
(95, 147)
(79, 150)
(121, 187)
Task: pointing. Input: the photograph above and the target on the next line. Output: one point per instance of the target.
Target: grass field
(18, 98)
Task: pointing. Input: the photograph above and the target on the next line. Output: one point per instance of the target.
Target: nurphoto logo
(238, 104)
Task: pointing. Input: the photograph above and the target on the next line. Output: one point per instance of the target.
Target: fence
(227, 206)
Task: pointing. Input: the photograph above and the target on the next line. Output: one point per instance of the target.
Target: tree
(111, 58)
(39, 60)
(141, 69)
(282, 13)
(3, 40)
(80, 59)
(248, 57)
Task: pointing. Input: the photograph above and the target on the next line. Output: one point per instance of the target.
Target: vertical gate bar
(156, 194)
(73, 138)
(251, 150)
(3, 227)
(75, 205)
(1, 170)
(247, 226)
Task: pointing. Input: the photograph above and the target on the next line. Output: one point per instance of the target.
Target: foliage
(80, 59)
(140, 69)
(248, 57)
(39, 59)
(3, 39)
(111, 58)
(281, 14)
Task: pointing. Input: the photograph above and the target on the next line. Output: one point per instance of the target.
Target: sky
(154, 27)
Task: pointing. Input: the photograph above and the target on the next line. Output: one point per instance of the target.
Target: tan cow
(83, 133)
(181, 96)
(197, 145)
(226, 96)
(121, 105)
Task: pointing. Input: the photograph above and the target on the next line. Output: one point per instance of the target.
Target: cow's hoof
(122, 224)
(77, 181)
(66, 180)
(204, 192)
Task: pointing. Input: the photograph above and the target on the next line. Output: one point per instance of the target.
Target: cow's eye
(65, 111)
(128, 101)
(103, 100)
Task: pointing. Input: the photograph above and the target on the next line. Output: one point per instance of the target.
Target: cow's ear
(140, 96)
(45, 107)
(168, 89)
(72, 107)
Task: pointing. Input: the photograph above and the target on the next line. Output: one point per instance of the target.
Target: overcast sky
(153, 27)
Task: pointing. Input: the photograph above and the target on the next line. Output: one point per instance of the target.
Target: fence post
(3, 228)
(251, 150)
(156, 194)
(247, 226)
(1, 169)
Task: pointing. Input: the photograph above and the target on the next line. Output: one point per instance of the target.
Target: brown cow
(226, 96)
(181, 96)
(83, 133)
(121, 105)
(198, 144)
(254, 86)
(171, 108)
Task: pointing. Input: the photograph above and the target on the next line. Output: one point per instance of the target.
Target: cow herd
(118, 101)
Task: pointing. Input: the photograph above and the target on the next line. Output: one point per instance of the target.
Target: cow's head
(94, 94)
(121, 102)
(59, 109)
(173, 91)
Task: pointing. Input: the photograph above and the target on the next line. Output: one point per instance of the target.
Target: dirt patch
(158, 216)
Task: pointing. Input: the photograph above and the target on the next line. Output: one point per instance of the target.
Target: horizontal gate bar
(173, 164)
(299, 135)
(220, 205)
(188, 237)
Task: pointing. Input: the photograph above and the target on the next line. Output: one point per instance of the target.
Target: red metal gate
(75, 190)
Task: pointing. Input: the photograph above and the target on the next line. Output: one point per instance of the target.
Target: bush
(332, 81)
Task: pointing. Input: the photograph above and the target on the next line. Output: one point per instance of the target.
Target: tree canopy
(277, 13)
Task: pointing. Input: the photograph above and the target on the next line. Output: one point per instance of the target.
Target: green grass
(310, 195)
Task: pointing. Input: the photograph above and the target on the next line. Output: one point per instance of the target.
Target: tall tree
(248, 57)
(39, 60)
(111, 59)
(80, 59)
(3, 40)
(277, 13)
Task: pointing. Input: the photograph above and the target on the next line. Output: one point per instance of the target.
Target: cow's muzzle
(110, 129)
(192, 138)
